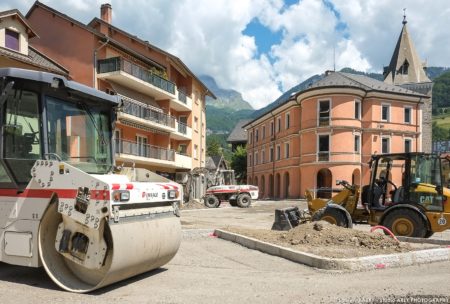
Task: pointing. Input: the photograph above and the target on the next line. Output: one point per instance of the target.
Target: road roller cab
(64, 204)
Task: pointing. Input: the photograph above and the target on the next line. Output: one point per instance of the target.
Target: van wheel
(211, 201)
(405, 222)
(244, 200)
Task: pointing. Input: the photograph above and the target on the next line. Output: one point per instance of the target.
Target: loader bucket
(134, 247)
(286, 219)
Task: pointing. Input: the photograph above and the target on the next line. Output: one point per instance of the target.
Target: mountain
(226, 98)
(223, 113)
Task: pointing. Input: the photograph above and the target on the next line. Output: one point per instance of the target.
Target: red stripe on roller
(115, 186)
(164, 186)
(130, 186)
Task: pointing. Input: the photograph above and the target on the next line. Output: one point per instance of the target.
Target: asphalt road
(210, 270)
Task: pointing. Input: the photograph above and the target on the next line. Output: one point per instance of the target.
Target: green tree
(439, 133)
(213, 148)
(239, 164)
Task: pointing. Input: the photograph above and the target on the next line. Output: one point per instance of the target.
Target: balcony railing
(144, 111)
(182, 97)
(115, 64)
(182, 128)
(144, 150)
(323, 156)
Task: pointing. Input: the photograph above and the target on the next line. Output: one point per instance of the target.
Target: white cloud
(208, 35)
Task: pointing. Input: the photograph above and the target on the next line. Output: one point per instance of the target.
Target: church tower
(408, 71)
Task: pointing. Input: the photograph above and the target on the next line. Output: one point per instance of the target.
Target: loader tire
(332, 216)
(405, 222)
(429, 234)
(244, 200)
(211, 201)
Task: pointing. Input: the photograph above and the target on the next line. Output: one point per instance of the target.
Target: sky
(262, 48)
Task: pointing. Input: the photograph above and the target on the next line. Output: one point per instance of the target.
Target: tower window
(404, 68)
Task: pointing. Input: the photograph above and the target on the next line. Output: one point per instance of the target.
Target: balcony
(131, 75)
(183, 161)
(128, 151)
(182, 131)
(182, 103)
(323, 156)
(144, 150)
(142, 113)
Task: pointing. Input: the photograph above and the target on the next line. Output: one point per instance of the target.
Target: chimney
(106, 12)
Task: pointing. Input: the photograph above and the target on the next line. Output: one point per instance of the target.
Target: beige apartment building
(161, 125)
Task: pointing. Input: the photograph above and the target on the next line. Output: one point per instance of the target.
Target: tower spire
(404, 17)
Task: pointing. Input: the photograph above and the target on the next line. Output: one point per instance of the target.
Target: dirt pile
(194, 204)
(324, 239)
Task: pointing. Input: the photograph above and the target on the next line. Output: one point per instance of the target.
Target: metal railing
(145, 111)
(182, 97)
(323, 156)
(121, 64)
(144, 150)
(182, 128)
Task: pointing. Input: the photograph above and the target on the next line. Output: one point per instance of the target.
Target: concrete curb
(355, 264)
(423, 241)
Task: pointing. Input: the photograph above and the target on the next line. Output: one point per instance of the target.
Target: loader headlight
(173, 194)
(121, 196)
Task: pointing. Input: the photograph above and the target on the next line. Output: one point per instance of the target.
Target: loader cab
(407, 178)
(45, 116)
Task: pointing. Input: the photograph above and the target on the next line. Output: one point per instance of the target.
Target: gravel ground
(210, 270)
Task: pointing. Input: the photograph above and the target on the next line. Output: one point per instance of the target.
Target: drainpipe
(201, 126)
(95, 62)
(299, 141)
(272, 139)
(362, 133)
(419, 128)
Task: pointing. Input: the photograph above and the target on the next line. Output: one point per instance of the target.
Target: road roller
(64, 203)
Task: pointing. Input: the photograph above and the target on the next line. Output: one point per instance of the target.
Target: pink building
(329, 131)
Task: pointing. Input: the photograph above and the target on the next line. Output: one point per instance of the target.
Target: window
(21, 136)
(271, 154)
(278, 124)
(271, 128)
(408, 145)
(357, 143)
(11, 40)
(256, 158)
(385, 112)
(195, 151)
(256, 135)
(250, 160)
(264, 132)
(182, 149)
(278, 152)
(407, 111)
(357, 109)
(263, 156)
(196, 124)
(251, 137)
(141, 145)
(286, 150)
(404, 68)
(324, 113)
(323, 147)
(385, 145)
(288, 120)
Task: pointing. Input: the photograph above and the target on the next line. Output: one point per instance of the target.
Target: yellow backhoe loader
(414, 205)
